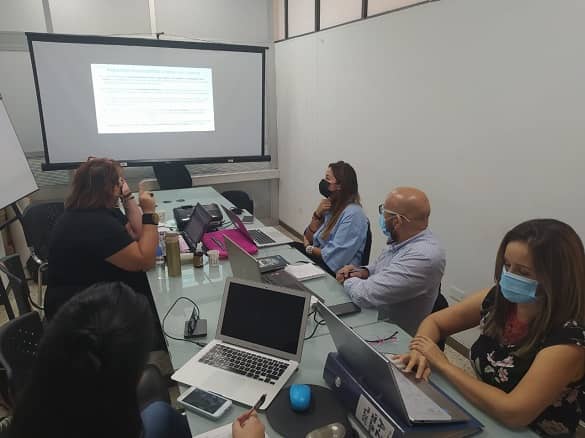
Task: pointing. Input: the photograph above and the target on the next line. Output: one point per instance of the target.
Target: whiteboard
(16, 178)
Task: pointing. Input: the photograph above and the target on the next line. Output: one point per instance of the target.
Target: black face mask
(324, 188)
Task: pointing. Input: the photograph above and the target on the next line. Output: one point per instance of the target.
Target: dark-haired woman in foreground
(89, 363)
(530, 357)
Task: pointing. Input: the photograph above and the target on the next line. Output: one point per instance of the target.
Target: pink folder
(233, 234)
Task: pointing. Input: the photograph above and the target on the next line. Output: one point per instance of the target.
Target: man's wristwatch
(309, 249)
(150, 219)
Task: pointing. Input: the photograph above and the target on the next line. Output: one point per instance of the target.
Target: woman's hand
(429, 349)
(413, 361)
(252, 427)
(147, 202)
(323, 206)
(125, 189)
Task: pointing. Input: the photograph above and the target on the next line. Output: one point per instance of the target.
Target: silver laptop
(262, 237)
(257, 346)
(246, 266)
(416, 401)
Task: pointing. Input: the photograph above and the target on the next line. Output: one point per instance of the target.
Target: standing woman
(336, 235)
(89, 243)
(131, 218)
(530, 356)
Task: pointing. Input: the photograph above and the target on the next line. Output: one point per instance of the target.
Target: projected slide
(143, 98)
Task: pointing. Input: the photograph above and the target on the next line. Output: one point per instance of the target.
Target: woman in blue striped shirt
(337, 233)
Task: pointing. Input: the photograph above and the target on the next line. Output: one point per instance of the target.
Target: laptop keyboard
(246, 364)
(261, 237)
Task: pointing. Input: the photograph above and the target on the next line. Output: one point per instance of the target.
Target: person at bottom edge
(85, 379)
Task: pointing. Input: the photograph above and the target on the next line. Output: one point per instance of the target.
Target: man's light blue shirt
(345, 245)
(404, 281)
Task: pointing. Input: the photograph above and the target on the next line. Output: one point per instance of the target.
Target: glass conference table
(205, 286)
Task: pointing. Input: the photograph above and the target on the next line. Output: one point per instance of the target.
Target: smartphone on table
(205, 403)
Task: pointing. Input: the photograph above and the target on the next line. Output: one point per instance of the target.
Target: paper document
(220, 432)
(305, 271)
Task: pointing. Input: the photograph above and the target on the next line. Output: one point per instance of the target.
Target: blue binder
(378, 420)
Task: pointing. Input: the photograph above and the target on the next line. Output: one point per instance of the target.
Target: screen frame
(260, 348)
(145, 42)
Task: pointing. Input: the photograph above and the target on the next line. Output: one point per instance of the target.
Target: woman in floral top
(530, 357)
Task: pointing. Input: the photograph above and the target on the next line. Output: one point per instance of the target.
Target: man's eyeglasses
(382, 210)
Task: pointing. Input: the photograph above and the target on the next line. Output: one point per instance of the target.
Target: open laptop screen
(237, 222)
(263, 317)
(197, 224)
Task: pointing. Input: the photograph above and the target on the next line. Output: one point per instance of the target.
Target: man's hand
(251, 428)
(323, 206)
(351, 271)
(147, 202)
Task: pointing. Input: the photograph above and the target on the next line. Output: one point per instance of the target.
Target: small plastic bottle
(160, 258)
(198, 256)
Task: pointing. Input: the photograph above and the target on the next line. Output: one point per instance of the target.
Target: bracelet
(127, 198)
(309, 249)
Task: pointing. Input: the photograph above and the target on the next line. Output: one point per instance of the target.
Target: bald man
(403, 282)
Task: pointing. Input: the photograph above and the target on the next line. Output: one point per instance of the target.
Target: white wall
(22, 15)
(478, 102)
(100, 17)
(18, 90)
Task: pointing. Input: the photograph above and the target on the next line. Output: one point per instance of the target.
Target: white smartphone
(204, 402)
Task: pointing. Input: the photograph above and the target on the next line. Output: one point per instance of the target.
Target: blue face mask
(383, 226)
(516, 288)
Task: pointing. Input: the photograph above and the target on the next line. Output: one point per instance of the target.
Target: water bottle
(173, 254)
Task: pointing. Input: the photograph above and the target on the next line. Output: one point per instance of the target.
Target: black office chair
(38, 221)
(240, 199)
(19, 342)
(440, 304)
(367, 247)
(17, 284)
(172, 176)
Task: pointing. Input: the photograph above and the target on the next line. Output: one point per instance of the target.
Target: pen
(218, 243)
(255, 408)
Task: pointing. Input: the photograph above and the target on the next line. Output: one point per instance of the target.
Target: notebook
(305, 271)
